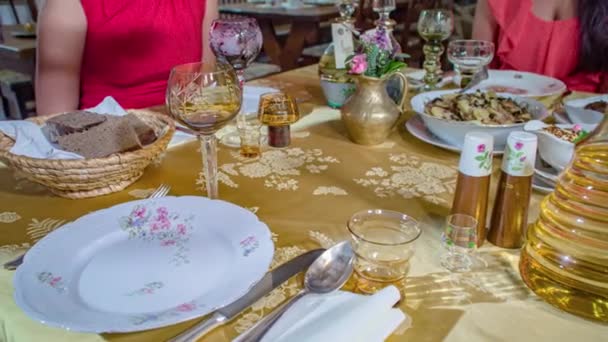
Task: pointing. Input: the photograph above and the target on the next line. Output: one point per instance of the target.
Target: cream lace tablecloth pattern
(305, 193)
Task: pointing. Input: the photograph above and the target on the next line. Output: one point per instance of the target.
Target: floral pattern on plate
(158, 224)
(249, 245)
(147, 289)
(163, 315)
(51, 280)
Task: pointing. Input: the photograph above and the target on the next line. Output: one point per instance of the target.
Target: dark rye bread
(72, 122)
(111, 136)
(144, 132)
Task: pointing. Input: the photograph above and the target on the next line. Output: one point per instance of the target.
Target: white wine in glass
(204, 97)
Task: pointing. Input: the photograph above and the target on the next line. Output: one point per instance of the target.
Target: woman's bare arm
(211, 13)
(62, 29)
(484, 24)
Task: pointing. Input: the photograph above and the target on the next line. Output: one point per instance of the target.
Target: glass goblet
(460, 241)
(237, 40)
(204, 97)
(434, 26)
(469, 57)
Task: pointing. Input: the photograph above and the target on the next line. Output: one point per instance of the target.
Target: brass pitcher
(370, 114)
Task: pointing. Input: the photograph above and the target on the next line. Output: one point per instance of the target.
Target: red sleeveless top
(131, 46)
(529, 43)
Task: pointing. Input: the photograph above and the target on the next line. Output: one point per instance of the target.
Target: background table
(305, 193)
(17, 53)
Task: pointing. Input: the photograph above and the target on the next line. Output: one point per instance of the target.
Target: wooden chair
(31, 4)
(16, 95)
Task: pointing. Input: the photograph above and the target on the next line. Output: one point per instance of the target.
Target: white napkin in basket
(340, 316)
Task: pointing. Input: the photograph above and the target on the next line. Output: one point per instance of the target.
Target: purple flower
(519, 145)
(522, 159)
(481, 148)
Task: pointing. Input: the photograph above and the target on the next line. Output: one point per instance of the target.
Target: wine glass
(204, 96)
(434, 26)
(460, 241)
(469, 57)
(237, 41)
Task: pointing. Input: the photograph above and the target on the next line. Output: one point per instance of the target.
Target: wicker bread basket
(82, 178)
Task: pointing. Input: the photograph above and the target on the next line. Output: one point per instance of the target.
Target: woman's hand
(62, 28)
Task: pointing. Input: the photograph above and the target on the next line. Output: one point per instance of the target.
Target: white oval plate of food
(415, 125)
(453, 119)
(519, 83)
(143, 264)
(590, 110)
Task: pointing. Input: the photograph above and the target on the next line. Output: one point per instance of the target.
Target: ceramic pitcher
(370, 114)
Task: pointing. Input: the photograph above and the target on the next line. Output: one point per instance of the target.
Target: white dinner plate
(143, 264)
(520, 83)
(417, 128)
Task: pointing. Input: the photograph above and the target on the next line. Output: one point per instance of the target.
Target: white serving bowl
(453, 132)
(578, 114)
(555, 151)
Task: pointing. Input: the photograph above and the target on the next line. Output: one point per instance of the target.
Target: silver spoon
(326, 274)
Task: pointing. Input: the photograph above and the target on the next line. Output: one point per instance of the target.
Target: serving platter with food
(449, 115)
(519, 83)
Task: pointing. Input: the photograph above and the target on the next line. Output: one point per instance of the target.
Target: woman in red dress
(90, 49)
(565, 39)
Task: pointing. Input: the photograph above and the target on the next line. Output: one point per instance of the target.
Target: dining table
(305, 193)
(305, 22)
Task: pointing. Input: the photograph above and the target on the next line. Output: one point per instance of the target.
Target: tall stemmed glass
(204, 97)
(434, 26)
(237, 41)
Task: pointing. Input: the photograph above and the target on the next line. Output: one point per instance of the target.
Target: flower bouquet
(375, 55)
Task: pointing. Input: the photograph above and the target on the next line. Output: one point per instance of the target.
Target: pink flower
(577, 128)
(139, 212)
(358, 64)
(54, 281)
(519, 145)
(481, 148)
(181, 229)
(186, 307)
(168, 243)
(522, 159)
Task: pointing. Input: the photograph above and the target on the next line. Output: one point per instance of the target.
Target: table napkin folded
(340, 316)
(30, 140)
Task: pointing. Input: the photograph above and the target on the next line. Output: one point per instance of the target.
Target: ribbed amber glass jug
(565, 258)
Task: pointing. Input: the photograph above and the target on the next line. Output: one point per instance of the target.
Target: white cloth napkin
(340, 316)
(30, 140)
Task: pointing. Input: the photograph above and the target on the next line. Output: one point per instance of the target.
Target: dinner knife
(269, 282)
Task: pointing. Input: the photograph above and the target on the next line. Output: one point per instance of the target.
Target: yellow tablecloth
(305, 193)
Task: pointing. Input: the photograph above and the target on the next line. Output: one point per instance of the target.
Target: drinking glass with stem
(237, 41)
(434, 26)
(204, 96)
(469, 57)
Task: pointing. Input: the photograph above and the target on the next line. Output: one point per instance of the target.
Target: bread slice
(144, 132)
(73, 122)
(111, 136)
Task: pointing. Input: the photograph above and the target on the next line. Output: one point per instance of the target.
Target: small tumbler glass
(383, 241)
(460, 241)
(249, 127)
